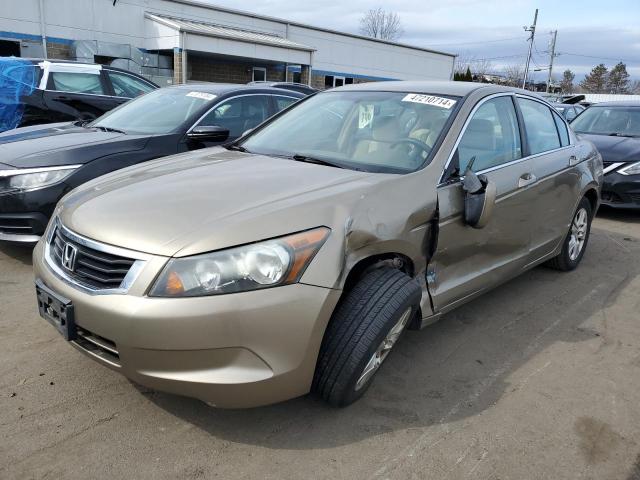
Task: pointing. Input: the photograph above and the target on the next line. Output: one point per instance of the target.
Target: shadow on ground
(629, 216)
(17, 251)
(455, 369)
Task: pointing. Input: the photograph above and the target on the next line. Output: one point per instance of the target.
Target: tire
(383, 300)
(567, 260)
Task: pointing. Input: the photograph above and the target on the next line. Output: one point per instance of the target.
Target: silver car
(292, 260)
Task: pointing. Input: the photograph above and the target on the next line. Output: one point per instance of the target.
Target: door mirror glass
(212, 133)
(479, 199)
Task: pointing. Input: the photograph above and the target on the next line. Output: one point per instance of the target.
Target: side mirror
(209, 134)
(479, 199)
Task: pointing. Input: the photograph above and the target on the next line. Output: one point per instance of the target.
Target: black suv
(35, 91)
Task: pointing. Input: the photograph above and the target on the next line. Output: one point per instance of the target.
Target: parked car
(38, 165)
(614, 128)
(293, 259)
(35, 91)
(296, 87)
(569, 112)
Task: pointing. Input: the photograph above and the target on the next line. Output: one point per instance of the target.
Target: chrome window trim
(226, 100)
(513, 162)
(140, 261)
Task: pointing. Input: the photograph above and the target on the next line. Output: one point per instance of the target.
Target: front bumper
(621, 191)
(234, 351)
(24, 216)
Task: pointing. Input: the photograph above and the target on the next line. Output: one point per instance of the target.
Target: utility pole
(531, 29)
(553, 55)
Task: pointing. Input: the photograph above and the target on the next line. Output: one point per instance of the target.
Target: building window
(259, 74)
(331, 81)
(297, 77)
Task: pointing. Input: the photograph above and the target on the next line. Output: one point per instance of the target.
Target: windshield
(623, 121)
(389, 132)
(157, 112)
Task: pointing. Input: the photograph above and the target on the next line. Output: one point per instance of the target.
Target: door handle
(526, 179)
(573, 160)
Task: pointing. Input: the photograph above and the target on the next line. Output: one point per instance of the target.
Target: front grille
(96, 269)
(98, 346)
(20, 226)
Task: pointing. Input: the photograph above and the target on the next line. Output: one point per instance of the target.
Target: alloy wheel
(578, 233)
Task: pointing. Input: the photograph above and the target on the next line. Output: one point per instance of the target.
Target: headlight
(32, 178)
(266, 264)
(633, 169)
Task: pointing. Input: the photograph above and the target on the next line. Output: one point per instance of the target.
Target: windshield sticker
(430, 100)
(202, 95)
(365, 116)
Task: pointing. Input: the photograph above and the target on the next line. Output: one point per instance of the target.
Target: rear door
(557, 181)
(78, 92)
(469, 261)
(125, 86)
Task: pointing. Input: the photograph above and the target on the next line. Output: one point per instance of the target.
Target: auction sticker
(202, 95)
(429, 100)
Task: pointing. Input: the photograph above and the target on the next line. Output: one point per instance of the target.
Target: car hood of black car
(615, 149)
(63, 144)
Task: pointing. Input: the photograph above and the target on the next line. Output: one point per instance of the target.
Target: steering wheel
(419, 146)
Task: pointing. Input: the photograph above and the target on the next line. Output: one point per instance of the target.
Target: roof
(619, 103)
(200, 3)
(223, 31)
(449, 87)
(224, 88)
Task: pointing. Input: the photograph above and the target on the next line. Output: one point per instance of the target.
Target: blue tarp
(18, 78)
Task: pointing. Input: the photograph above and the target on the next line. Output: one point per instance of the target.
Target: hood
(62, 144)
(205, 200)
(615, 149)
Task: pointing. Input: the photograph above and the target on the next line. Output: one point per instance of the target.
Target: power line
(597, 58)
(474, 43)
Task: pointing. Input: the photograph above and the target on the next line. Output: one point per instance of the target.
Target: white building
(161, 37)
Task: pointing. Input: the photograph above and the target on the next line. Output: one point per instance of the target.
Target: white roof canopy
(225, 40)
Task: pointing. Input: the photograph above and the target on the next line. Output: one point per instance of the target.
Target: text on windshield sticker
(429, 100)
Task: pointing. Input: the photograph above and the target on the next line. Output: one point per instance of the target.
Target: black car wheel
(364, 328)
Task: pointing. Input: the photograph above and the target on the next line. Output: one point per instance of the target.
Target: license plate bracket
(57, 310)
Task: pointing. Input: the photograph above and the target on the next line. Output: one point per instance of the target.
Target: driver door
(469, 261)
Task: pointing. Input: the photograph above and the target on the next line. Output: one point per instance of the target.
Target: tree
(618, 79)
(468, 77)
(566, 84)
(596, 81)
(513, 75)
(635, 88)
(378, 23)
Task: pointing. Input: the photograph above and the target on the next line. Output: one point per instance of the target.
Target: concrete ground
(539, 379)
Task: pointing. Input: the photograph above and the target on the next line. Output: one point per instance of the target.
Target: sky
(589, 32)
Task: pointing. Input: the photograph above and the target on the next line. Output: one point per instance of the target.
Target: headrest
(479, 134)
(385, 129)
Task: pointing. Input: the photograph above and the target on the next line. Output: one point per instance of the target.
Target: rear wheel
(576, 241)
(364, 328)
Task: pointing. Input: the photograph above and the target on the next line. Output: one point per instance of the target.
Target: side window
(562, 129)
(239, 114)
(127, 86)
(539, 125)
(570, 114)
(76, 82)
(491, 137)
(284, 102)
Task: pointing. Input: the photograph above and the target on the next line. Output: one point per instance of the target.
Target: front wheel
(576, 240)
(363, 330)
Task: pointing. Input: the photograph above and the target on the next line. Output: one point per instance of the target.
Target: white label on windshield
(202, 95)
(365, 116)
(429, 100)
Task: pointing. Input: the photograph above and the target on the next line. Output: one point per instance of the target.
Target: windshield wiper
(616, 134)
(109, 129)
(318, 161)
(237, 148)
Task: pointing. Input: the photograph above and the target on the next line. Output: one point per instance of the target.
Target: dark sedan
(40, 164)
(614, 127)
(34, 91)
